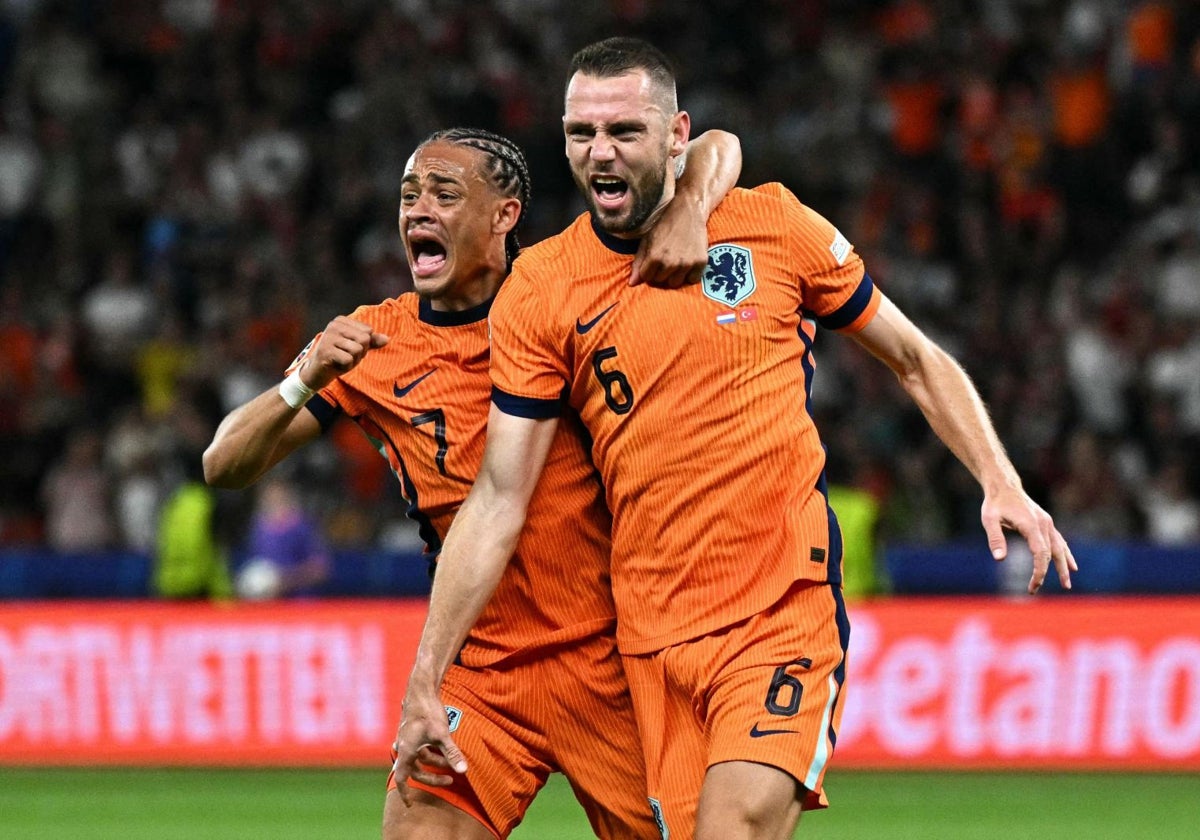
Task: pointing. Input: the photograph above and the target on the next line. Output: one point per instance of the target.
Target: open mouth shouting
(428, 253)
(609, 192)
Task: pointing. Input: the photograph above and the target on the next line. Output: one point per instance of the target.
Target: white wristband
(294, 392)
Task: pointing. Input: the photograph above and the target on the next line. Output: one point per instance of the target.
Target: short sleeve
(528, 361)
(835, 288)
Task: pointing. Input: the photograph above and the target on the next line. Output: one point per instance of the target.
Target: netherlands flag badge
(727, 318)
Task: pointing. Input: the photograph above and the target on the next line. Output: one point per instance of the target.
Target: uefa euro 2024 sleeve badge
(729, 277)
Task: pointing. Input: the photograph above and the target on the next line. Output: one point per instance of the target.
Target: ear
(505, 216)
(681, 130)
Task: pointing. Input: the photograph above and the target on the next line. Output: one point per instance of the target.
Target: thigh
(595, 741)
(430, 817)
(489, 711)
(774, 696)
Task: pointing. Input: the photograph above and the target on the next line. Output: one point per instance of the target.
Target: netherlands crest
(453, 717)
(729, 277)
(659, 819)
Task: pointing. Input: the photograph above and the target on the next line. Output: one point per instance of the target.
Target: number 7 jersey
(696, 400)
(422, 400)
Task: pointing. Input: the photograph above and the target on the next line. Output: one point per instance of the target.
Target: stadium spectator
(76, 495)
(1173, 518)
(133, 453)
(180, 143)
(192, 558)
(286, 555)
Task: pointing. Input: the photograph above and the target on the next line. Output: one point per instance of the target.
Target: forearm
(469, 568)
(247, 443)
(952, 405)
(714, 162)
(481, 540)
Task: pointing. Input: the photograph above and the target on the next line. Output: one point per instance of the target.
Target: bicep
(303, 429)
(893, 339)
(515, 454)
(713, 156)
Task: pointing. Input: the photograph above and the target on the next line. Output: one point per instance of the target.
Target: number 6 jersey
(696, 400)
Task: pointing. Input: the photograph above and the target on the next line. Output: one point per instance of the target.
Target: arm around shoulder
(714, 163)
(674, 251)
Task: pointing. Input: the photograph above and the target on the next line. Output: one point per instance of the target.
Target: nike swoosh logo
(400, 392)
(755, 732)
(582, 328)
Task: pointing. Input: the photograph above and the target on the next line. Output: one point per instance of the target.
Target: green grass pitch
(107, 804)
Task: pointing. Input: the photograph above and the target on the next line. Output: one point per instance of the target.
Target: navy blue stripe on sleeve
(528, 407)
(325, 411)
(848, 312)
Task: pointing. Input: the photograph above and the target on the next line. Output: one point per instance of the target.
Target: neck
(668, 193)
(470, 291)
(656, 214)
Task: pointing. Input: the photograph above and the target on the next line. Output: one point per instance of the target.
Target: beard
(645, 193)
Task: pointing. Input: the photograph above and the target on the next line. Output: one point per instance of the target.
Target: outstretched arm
(953, 408)
(675, 251)
(473, 558)
(258, 435)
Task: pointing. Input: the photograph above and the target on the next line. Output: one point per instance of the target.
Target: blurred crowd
(190, 189)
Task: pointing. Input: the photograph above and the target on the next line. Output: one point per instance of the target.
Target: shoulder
(550, 254)
(391, 311)
(772, 203)
(764, 195)
(766, 204)
(539, 269)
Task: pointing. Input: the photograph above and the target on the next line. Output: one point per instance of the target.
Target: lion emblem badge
(729, 277)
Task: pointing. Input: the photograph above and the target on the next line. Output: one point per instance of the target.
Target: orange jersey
(423, 401)
(697, 403)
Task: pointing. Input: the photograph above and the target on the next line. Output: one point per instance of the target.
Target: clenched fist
(344, 343)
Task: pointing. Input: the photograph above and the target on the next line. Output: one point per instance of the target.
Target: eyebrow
(626, 125)
(574, 126)
(413, 178)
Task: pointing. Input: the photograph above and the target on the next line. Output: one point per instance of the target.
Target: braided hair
(506, 167)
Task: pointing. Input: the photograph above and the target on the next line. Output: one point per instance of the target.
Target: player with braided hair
(506, 167)
(538, 687)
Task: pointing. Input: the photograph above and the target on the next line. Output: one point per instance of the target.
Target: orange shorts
(567, 710)
(767, 690)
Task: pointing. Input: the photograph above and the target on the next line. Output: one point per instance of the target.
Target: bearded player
(726, 561)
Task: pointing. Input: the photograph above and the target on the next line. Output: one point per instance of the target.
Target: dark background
(189, 190)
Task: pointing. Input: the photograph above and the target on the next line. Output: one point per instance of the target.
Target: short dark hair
(618, 56)
(506, 167)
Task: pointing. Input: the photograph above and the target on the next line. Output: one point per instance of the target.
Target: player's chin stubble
(646, 194)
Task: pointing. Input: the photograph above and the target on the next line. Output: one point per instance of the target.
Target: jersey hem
(640, 646)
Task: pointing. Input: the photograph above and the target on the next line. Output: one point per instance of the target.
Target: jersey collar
(438, 318)
(614, 243)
